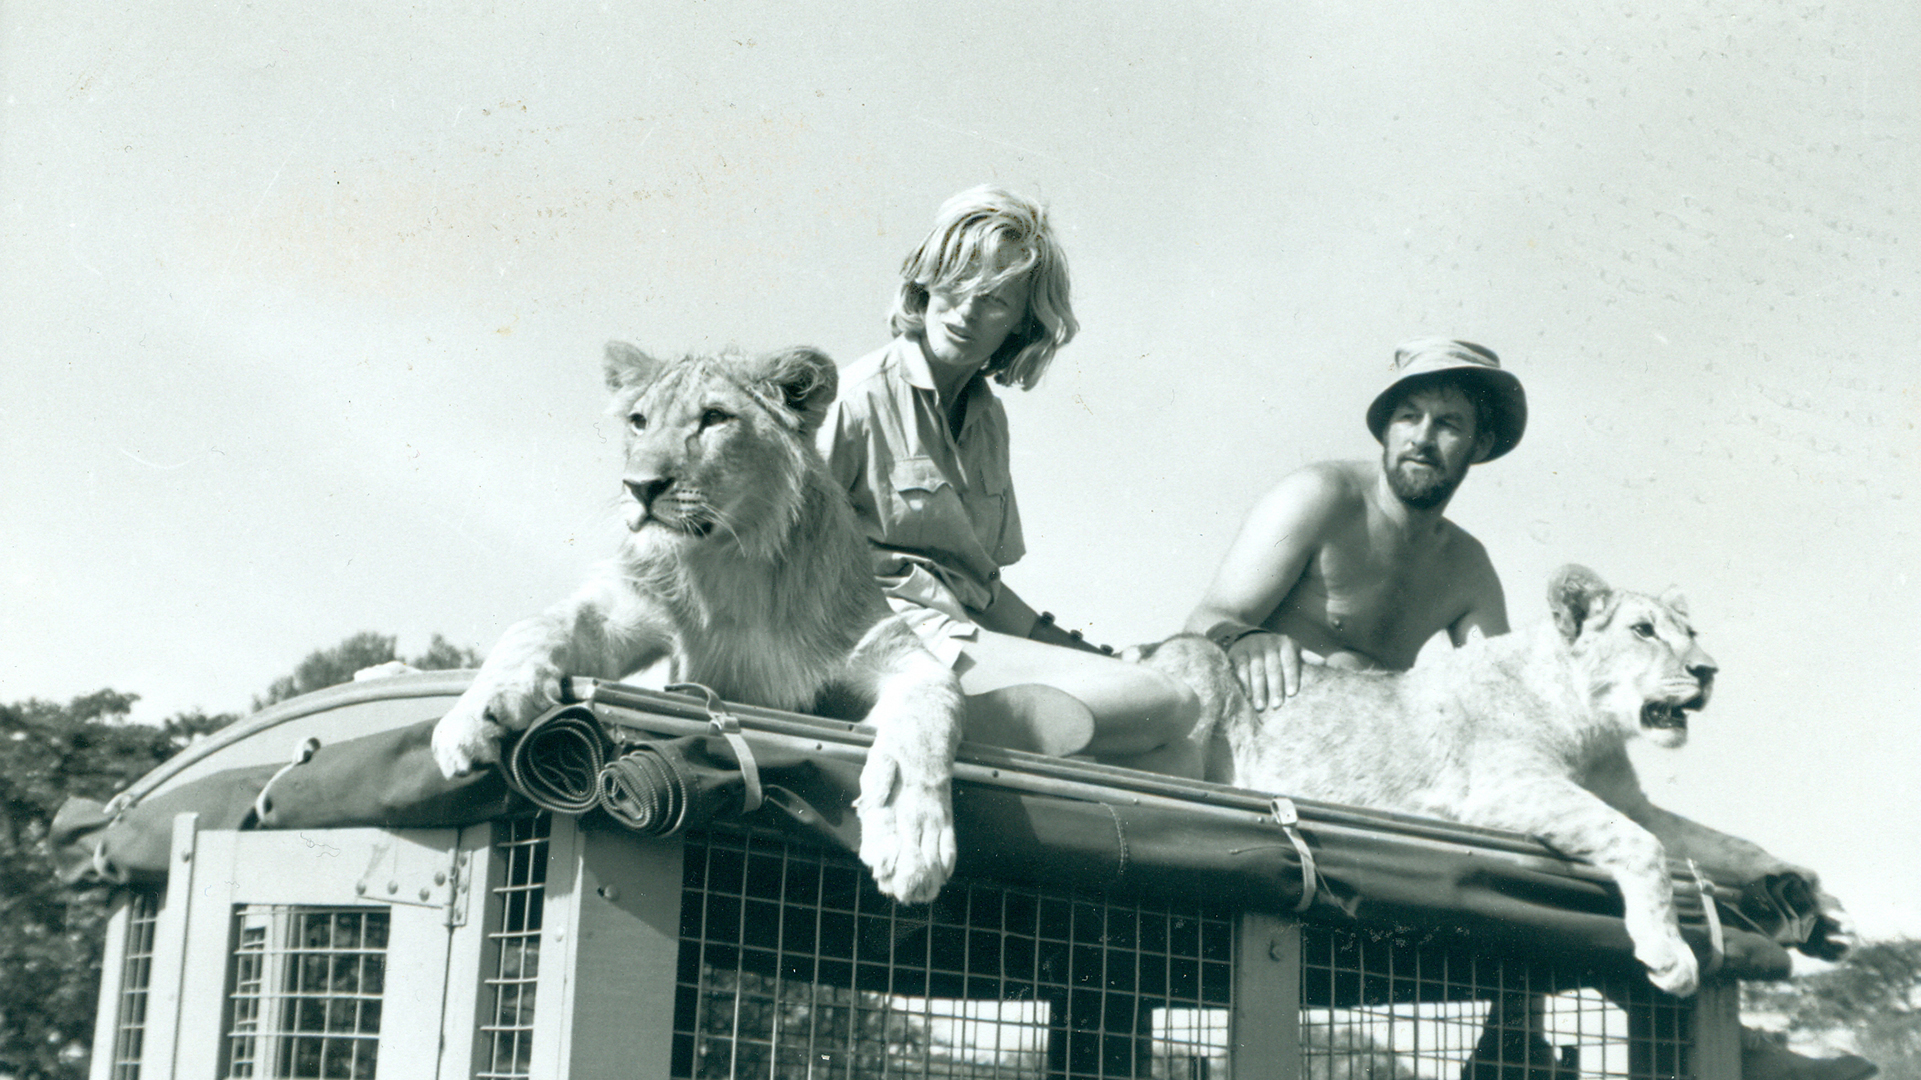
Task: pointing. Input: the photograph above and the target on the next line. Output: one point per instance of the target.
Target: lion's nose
(645, 491)
(1703, 673)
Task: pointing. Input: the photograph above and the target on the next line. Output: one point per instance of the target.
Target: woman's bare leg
(1141, 718)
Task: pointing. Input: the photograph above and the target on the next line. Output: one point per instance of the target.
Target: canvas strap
(301, 755)
(1717, 945)
(1288, 818)
(727, 726)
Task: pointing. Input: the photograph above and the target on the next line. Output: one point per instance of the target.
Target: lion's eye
(1645, 629)
(636, 421)
(714, 416)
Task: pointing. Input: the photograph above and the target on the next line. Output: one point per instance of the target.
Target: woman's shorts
(943, 634)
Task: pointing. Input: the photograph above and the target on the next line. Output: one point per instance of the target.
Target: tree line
(51, 935)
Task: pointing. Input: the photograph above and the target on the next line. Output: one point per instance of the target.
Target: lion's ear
(626, 366)
(1572, 595)
(805, 380)
(1675, 600)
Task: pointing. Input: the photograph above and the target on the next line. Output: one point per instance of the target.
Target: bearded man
(1354, 560)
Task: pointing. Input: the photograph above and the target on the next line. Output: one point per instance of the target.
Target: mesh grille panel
(1378, 1006)
(508, 1035)
(307, 986)
(792, 966)
(136, 976)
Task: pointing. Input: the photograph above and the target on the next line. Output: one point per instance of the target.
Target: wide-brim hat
(1443, 360)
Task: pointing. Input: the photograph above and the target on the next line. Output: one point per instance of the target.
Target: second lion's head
(1638, 654)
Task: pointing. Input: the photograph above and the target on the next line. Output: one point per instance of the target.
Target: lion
(744, 569)
(1526, 732)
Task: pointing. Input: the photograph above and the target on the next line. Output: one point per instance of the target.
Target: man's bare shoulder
(1321, 487)
(1308, 502)
(1475, 584)
(1463, 551)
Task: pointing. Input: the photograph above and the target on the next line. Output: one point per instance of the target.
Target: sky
(304, 309)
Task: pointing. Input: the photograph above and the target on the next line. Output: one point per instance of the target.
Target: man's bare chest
(1380, 605)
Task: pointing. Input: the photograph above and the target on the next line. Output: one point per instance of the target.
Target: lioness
(1525, 731)
(744, 568)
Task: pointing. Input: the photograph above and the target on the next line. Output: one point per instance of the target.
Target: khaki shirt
(939, 511)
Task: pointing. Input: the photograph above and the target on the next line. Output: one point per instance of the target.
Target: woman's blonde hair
(982, 237)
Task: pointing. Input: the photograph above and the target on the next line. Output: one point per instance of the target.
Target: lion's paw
(1671, 964)
(906, 832)
(465, 739)
(503, 699)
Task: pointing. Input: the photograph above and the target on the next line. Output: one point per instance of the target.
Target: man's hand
(1269, 667)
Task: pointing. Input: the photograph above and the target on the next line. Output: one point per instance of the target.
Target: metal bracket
(403, 873)
(463, 880)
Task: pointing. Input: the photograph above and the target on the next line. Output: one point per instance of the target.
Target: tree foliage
(330, 667)
(51, 935)
(1872, 1001)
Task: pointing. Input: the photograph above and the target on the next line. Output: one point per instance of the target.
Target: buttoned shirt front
(938, 509)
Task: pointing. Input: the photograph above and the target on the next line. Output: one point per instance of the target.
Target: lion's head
(718, 447)
(1642, 664)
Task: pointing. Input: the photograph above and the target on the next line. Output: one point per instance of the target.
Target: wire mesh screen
(306, 991)
(1382, 1006)
(508, 1035)
(136, 976)
(793, 966)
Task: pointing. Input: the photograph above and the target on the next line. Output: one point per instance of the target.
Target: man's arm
(1282, 532)
(1487, 603)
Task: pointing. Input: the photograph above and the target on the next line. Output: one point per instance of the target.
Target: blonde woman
(920, 442)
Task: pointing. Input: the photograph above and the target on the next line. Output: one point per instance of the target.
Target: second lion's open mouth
(1670, 715)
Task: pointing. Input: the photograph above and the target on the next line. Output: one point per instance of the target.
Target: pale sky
(304, 308)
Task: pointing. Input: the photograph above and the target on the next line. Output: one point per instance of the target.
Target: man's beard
(1425, 492)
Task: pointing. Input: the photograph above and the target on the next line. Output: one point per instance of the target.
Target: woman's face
(963, 330)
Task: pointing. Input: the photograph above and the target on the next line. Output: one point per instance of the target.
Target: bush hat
(1475, 368)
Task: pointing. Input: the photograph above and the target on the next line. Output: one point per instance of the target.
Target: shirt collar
(913, 365)
(913, 362)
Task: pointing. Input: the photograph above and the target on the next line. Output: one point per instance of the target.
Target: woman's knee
(1177, 708)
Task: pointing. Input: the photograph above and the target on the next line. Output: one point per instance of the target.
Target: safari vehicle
(662, 885)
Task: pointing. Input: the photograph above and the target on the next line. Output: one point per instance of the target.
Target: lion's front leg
(602, 631)
(1575, 822)
(906, 789)
(1814, 921)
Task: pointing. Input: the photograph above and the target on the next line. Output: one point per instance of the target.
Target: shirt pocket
(925, 510)
(995, 523)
